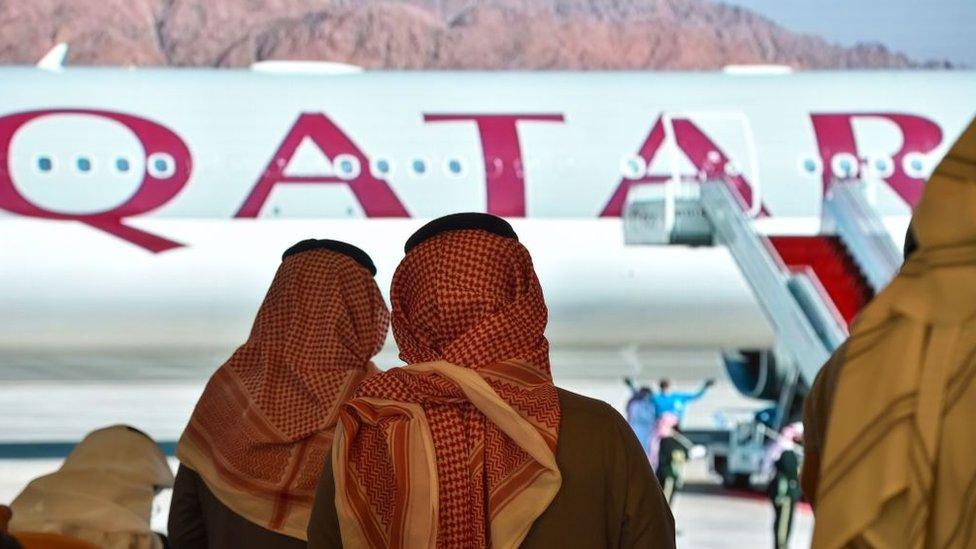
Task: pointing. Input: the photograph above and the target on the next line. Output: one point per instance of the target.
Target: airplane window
(419, 166)
(45, 164)
(914, 164)
(810, 166)
(844, 165)
(161, 165)
(494, 167)
(83, 164)
(518, 168)
(633, 167)
(454, 167)
(122, 164)
(381, 167)
(881, 166)
(347, 166)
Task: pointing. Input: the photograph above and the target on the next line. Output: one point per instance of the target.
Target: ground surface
(54, 411)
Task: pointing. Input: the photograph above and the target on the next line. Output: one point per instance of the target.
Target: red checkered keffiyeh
(457, 449)
(260, 432)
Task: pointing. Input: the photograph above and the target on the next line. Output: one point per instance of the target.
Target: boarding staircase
(848, 214)
(809, 287)
(826, 260)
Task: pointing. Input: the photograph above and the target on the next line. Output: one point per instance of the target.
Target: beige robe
(102, 494)
(898, 456)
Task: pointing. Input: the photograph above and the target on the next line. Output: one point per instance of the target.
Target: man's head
(323, 307)
(665, 385)
(466, 292)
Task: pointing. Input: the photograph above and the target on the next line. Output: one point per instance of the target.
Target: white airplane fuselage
(143, 212)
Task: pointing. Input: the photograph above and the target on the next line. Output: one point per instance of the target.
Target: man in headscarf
(471, 445)
(102, 494)
(253, 450)
(890, 443)
(640, 413)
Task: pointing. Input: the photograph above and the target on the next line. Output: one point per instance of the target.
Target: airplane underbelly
(71, 292)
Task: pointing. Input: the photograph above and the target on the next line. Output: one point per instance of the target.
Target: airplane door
(712, 145)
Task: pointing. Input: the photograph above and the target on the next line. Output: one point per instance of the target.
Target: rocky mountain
(420, 34)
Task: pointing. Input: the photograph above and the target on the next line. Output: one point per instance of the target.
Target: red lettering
(701, 151)
(374, 195)
(647, 151)
(501, 149)
(835, 135)
(152, 193)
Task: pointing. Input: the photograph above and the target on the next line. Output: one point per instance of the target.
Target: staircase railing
(816, 302)
(847, 211)
(803, 323)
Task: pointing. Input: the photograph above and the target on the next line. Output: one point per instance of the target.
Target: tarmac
(41, 419)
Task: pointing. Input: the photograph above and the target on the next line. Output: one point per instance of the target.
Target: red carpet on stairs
(835, 268)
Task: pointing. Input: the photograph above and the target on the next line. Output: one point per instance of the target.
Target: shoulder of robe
(588, 411)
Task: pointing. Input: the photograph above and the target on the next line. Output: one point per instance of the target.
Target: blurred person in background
(640, 413)
(890, 443)
(667, 401)
(787, 438)
(783, 457)
(671, 455)
(253, 450)
(102, 493)
(471, 445)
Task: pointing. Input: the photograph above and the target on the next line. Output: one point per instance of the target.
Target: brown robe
(609, 496)
(198, 520)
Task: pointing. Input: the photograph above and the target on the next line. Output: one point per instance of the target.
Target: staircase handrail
(767, 278)
(860, 228)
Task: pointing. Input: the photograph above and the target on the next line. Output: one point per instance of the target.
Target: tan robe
(892, 413)
(609, 497)
(817, 404)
